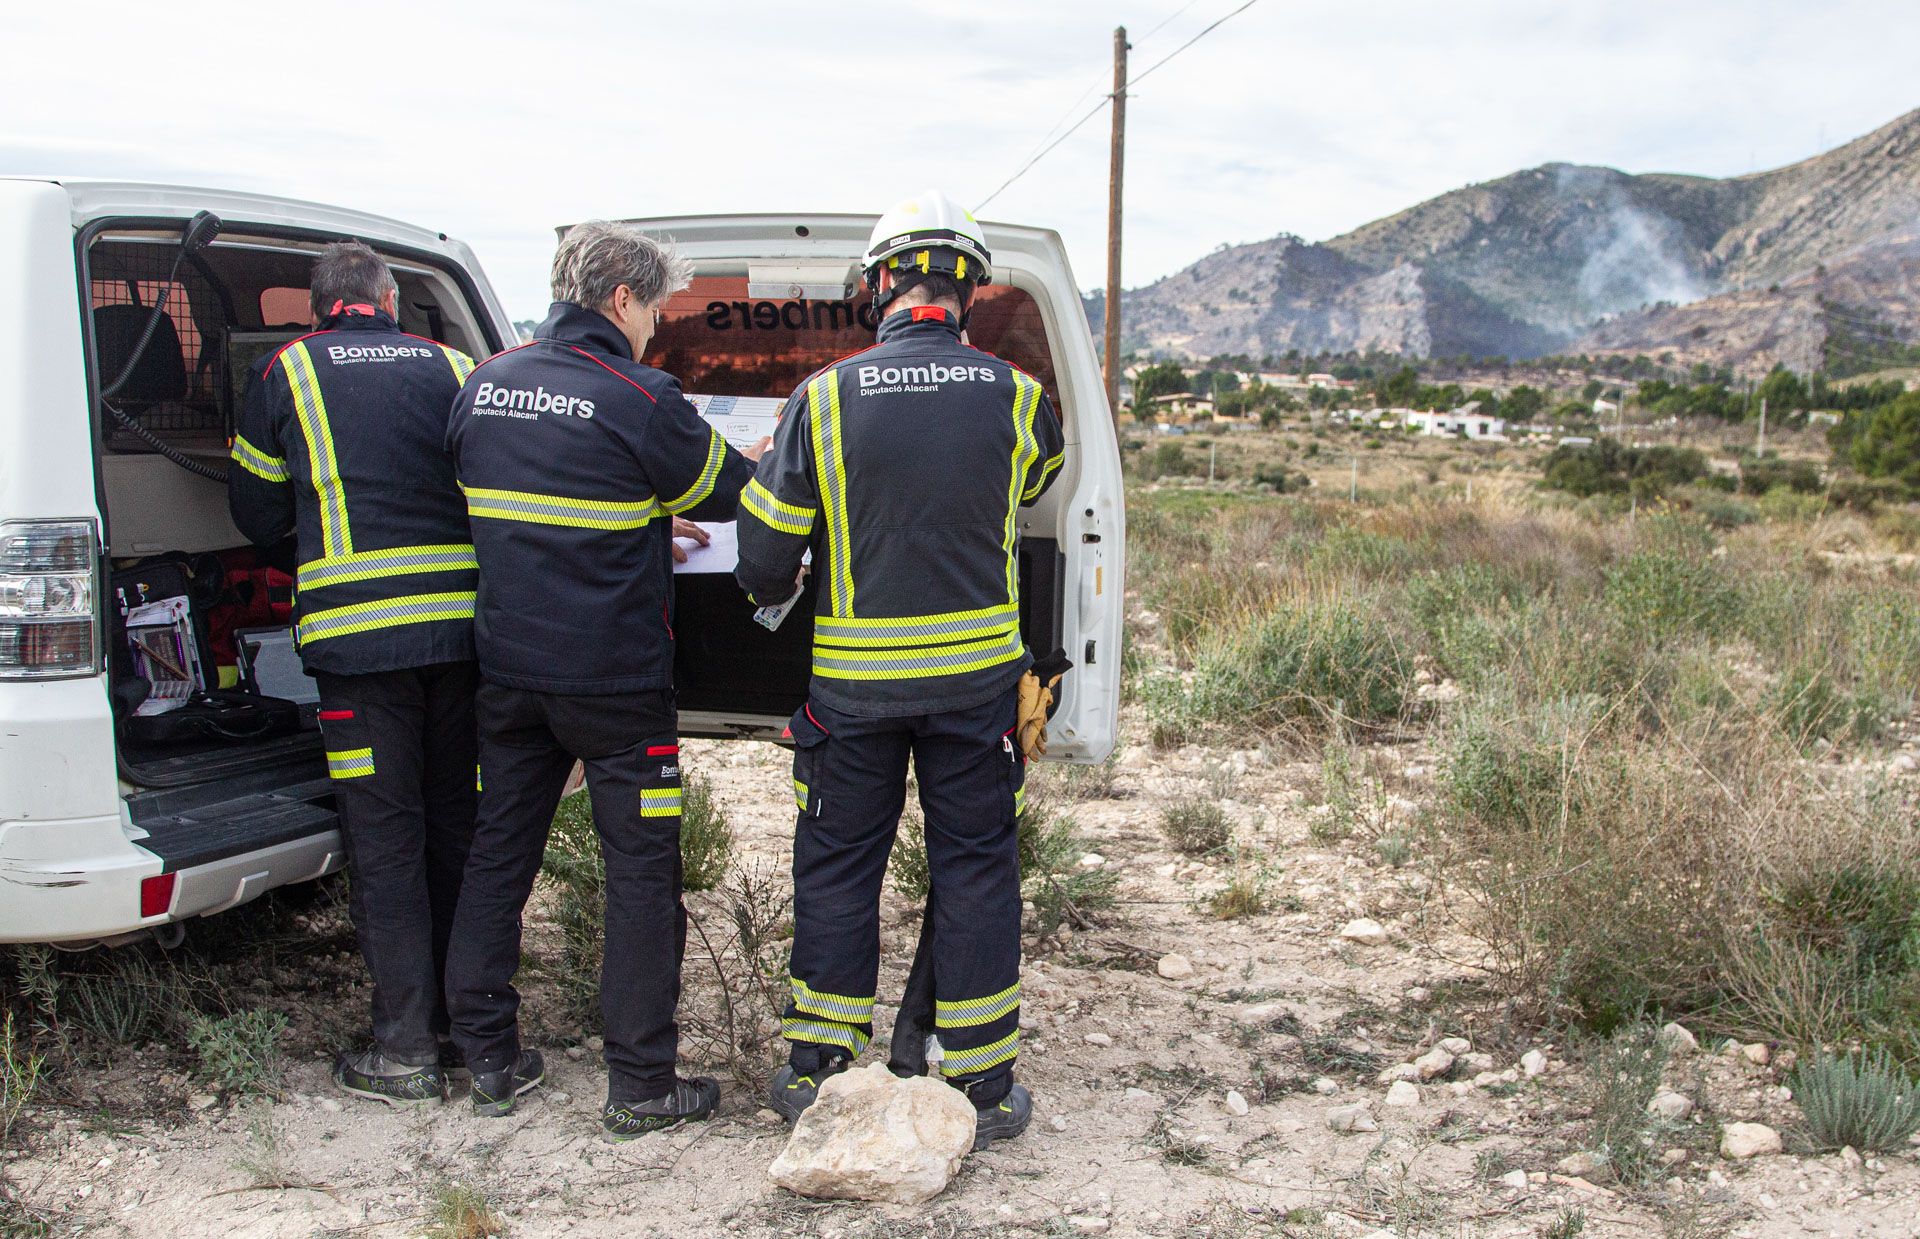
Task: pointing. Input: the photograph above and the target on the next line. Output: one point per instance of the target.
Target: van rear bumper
(93, 894)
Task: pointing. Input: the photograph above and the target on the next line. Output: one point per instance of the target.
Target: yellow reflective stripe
(1026, 449)
(895, 664)
(257, 462)
(1020, 800)
(992, 1054)
(831, 1006)
(461, 363)
(973, 1012)
(850, 1039)
(310, 409)
(709, 476)
(394, 561)
(385, 613)
(521, 505)
(951, 626)
(1039, 483)
(800, 795)
(659, 802)
(760, 502)
(829, 463)
(477, 785)
(349, 763)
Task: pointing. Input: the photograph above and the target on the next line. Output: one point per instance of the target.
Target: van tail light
(156, 894)
(49, 622)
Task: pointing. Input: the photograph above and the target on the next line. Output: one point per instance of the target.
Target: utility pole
(1760, 448)
(1115, 168)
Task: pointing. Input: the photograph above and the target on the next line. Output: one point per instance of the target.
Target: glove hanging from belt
(1036, 701)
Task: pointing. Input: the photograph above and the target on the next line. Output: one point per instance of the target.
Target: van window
(281, 307)
(718, 341)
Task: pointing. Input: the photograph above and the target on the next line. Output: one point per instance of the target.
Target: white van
(112, 416)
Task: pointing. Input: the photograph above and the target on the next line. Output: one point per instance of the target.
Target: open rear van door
(776, 297)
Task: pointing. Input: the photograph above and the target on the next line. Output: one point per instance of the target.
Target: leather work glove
(1036, 702)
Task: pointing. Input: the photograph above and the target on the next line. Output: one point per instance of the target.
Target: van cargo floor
(195, 826)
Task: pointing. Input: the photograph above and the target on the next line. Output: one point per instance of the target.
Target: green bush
(1606, 468)
(1060, 888)
(1195, 826)
(1319, 668)
(1757, 477)
(706, 836)
(1660, 594)
(1862, 1101)
(1626, 1072)
(1888, 445)
(240, 1053)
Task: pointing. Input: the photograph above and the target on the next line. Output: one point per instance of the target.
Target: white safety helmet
(929, 233)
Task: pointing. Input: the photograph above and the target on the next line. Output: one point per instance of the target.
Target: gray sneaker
(1004, 1119)
(495, 1092)
(687, 1100)
(375, 1075)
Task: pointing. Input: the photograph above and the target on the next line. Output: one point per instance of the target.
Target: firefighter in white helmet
(904, 468)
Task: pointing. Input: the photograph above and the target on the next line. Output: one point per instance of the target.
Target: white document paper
(721, 554)
(741, 420)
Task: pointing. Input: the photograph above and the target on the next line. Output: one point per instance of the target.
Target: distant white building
(1604, 408)
(1465, 422)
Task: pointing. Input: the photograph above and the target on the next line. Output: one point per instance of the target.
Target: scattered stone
(1474, 1064)
(1767, 1201)
(1534, 1063)
(1678, 1040)
(1666, 1104)
(1487, 1079)
(1759, 1053)
(1515, 1179)
(1088, 1225)
(1259, 1013)
(1740, 1141)
(1058, 1123)
(1365, 932)
(1673, 1157)
(201, 1101)
(1403, 1093)
(1097, 1038)
(1589, 1166)
(1730, 1048)
(1325, 1086)
(1354, 1118)
(558, 1096)
(871, 1136)
(576, 1052)
(1399, 1071)
(1174, 966)
(1419, 995)
(1455, 1046)
(1092, 860)
(767, 1114)
(1851, 1156)
(1236, 1104)
(1433, 1064)
(330, 1105)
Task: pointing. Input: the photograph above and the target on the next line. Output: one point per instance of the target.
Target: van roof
(824, 235)
(97, 198)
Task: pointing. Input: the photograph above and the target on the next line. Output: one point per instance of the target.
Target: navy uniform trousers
(528, 744)
(850, 776)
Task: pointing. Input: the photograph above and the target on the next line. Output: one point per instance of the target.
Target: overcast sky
(494, 121)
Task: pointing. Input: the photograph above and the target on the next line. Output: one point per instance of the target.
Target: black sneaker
(1005, 1119)
(494, 1092)
(373, 1074)
(689, 1099)
(790, 1093)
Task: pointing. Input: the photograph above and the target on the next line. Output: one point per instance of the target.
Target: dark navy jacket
(341, 440)
(904, 469)
(574, 459)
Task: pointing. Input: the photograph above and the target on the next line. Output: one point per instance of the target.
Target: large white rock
(873, 1136)
(1403, 1094)
(1433, 1064)
(1739, 1141)
(1667, 1104)
(1174, 966)
(1680, 1042)
(1356, 1117)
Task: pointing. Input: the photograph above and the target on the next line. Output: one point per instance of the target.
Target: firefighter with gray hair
(576, 458)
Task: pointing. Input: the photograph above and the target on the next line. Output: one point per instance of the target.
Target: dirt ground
(1192, 1106)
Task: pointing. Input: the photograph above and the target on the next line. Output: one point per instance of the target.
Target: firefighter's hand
(1031, 720)
(758, 450)
(686, 529)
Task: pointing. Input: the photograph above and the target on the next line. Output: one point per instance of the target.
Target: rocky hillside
(1530, 262)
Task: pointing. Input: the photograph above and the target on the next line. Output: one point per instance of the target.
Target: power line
(1105, 100)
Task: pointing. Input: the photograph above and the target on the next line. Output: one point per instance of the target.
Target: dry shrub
(1608, 872)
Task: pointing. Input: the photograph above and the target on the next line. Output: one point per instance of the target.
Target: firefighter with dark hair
(904, 468)
(340, 443)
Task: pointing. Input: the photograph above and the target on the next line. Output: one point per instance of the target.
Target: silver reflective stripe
(709, 475)
(911, 629)
(519, 505)
(900, 664)
(394, 561)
